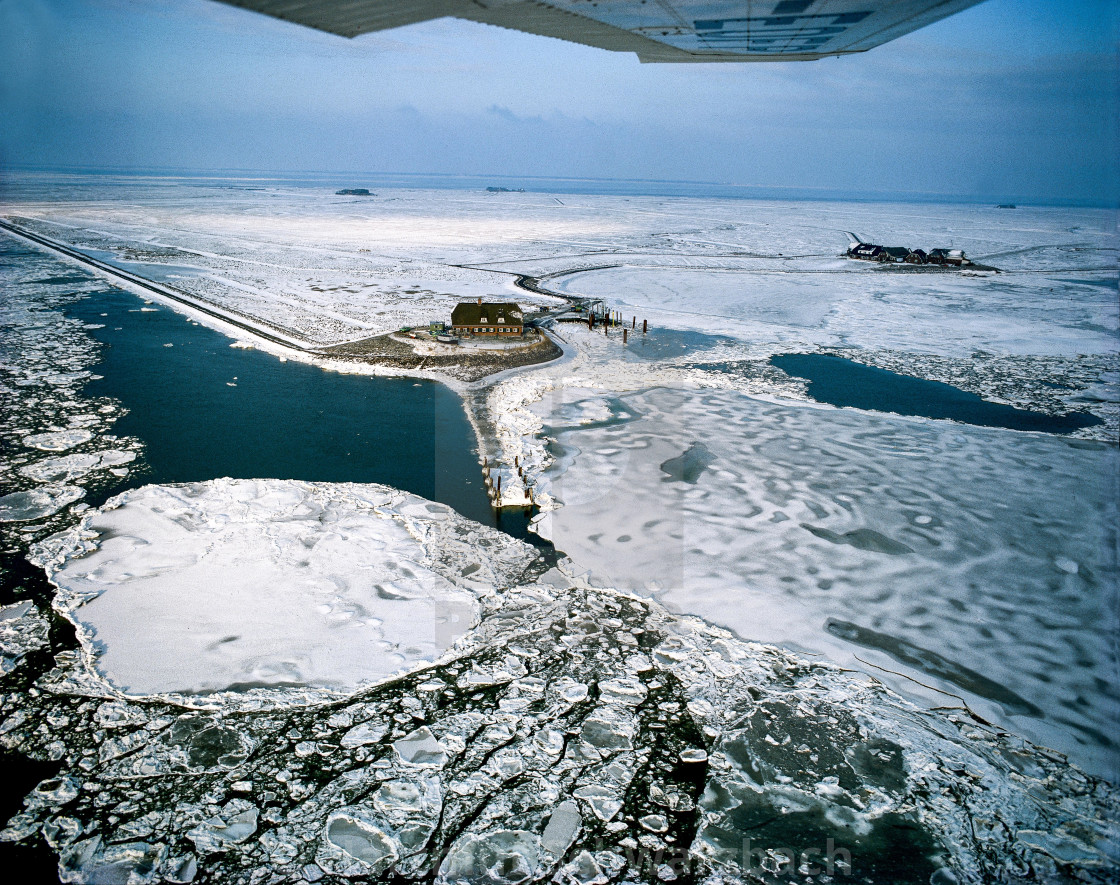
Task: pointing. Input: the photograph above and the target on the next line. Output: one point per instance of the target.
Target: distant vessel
(355, 192)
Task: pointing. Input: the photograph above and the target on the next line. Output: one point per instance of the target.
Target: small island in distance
(355, 192)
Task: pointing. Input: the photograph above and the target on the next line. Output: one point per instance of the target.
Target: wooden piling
(624, 331)
(645, 326)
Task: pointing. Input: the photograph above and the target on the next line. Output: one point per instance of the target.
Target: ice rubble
(190, 590)
(22, 631)
(45, 361)
(573, 731)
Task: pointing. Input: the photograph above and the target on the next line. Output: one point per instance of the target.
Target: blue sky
(1011, 99)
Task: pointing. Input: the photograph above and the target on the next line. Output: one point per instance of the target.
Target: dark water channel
(204, 410)
(842, 382)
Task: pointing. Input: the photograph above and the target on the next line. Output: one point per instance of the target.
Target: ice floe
(32, 504)
(68, 468)
(58, 441)
(189, 590)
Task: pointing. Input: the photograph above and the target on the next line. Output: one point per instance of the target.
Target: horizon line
(760, 191)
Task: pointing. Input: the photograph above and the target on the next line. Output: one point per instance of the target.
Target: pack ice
(572, 734)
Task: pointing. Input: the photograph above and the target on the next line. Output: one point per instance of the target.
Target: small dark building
(896, 253)
(498, 319)
(917, 256)
(869, 252)
(948, 256)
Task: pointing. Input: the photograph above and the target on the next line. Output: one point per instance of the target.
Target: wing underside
(657, 30)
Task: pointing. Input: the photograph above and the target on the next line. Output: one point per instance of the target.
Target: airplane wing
(657, 30)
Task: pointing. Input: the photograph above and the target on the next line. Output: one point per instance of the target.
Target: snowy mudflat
(318, 267)
(327, 269)
(241, 584)
(978, 561)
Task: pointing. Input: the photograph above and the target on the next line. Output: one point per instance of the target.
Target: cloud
(950, 109)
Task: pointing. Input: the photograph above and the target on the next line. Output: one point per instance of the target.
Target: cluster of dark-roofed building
(906, 255)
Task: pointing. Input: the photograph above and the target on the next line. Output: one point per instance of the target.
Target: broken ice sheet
(940, 782)
(476, 793)
(59, 440)
(22, 631)
(807, 514)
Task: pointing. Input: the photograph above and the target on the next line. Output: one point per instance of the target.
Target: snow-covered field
(971, 569)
